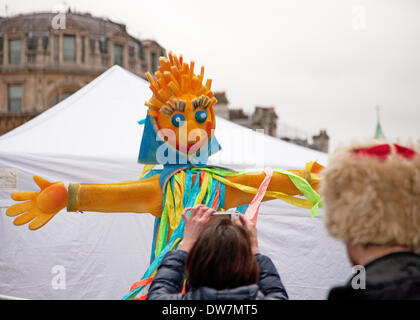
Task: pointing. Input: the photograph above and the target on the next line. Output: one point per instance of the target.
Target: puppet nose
(196, 135)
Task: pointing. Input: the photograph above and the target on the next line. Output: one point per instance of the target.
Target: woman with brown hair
(219, 260)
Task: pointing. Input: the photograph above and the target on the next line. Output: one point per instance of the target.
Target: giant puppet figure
(178, 134)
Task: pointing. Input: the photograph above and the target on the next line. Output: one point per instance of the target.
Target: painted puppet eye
(178, 119)
(201, 116)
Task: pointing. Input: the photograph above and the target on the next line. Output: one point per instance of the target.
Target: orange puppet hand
(39, 207)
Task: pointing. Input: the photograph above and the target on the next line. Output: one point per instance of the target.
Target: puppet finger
(41, 182)
(19, 208)
(23, 195)
(40, 221)
(25, 218)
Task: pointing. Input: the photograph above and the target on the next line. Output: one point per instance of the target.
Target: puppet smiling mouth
(192, 146)
(193, 143)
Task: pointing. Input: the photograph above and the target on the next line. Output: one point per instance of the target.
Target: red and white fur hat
(371, 195)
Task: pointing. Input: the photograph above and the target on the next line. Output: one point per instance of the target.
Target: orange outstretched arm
(279, 182)
(143, 196)
(37, 208)
(146, 196)
(131, 196)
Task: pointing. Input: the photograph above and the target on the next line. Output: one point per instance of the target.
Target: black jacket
(169, 277)
(395, 276)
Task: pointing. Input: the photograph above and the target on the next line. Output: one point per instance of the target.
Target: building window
(56, 48)
(54, 101)
(1, 48)
(69, 48)
(45, 40)
(131, 51)
(82, 49)
(15, 48)
(92, 42)
(66, 94)
(103, 45)
(31, 41)
(118, 54)
(140, 50)
(153, 61)
(60, 96)
(14, 97)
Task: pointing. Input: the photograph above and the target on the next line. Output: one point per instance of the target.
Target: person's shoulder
(175, 255)
(248, 292)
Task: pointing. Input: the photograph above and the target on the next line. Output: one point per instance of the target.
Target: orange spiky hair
(174, 79)
(180, 116)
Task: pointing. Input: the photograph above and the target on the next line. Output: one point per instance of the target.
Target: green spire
(378, 132)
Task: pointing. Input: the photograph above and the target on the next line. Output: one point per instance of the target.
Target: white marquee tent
(93, 136)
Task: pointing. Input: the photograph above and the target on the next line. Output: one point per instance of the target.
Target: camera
(232, 215)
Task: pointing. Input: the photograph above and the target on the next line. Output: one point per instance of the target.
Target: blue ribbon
(189, 198)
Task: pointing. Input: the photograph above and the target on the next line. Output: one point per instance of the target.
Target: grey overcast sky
(323, 64)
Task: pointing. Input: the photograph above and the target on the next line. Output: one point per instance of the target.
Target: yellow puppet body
(180, 120)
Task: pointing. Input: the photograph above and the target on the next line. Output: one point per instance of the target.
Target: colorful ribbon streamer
(193, 186)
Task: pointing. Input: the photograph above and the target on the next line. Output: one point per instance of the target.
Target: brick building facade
(42, 63)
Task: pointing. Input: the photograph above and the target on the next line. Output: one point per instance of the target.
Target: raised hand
(194, 225)
(38, 207)
(252, 229)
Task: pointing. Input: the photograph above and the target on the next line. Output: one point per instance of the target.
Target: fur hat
(371, 195)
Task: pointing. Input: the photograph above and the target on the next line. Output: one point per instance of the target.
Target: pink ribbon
(252, 211)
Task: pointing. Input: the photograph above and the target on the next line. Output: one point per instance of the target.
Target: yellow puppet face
(190, 118)
(181, 107)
